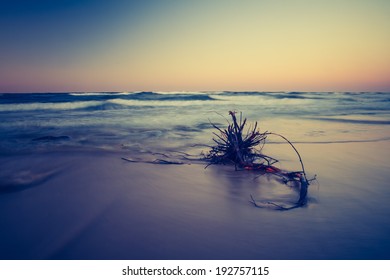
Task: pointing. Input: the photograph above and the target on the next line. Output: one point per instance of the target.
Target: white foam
(48, 106)
(98, 93)
(260, 100)
(183, 92)
(155, 103)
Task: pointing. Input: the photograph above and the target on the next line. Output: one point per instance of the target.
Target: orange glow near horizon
(225, 45)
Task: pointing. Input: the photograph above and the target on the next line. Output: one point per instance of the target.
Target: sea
(155, 121)
(66, 193)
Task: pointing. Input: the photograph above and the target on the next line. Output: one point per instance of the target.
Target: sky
(194, 45)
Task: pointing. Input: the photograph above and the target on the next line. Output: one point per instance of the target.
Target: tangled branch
(243, 148)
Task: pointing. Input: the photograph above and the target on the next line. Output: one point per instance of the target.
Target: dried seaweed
(243, 146)
(235, 147)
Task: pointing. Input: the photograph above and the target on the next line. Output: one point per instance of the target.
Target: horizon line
(178, 91)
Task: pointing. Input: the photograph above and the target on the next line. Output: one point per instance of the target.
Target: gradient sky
(172, 45)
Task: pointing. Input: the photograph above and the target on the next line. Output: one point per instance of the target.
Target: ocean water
(153, 121)
(70, 205)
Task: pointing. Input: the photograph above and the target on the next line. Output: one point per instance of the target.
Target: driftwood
(243, 148)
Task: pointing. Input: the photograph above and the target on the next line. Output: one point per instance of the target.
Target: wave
(257, 93)
(296, 103)
(277, 95)
(98, 93)
(363, 121)
(158, 103)
(145, 99)
(15, 98)
(49, 106)
(145, 95)
(336, 141)
(168, 96)
(261, 100)
(99, 96)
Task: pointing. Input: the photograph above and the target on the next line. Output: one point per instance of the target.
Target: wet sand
(94, 205)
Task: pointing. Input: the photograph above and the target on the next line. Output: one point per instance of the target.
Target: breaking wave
(49, 106)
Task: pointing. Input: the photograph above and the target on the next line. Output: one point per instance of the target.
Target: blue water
(160, 120)
(83, 206)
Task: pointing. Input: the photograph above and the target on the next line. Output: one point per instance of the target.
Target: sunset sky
(175, 45)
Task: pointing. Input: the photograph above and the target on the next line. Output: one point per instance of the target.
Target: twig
(254, 202)
(291, 144)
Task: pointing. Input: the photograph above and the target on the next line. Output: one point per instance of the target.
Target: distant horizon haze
(205, 45)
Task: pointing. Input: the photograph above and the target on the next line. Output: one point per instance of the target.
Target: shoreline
(91, 205)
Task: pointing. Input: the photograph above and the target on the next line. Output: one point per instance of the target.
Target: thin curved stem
(291, 144)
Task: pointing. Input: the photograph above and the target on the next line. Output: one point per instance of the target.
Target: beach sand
(94, 205)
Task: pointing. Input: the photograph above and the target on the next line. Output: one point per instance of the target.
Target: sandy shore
(74, 205)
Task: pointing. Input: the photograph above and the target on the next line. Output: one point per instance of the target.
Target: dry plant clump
(235, 147)
(243, 146)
